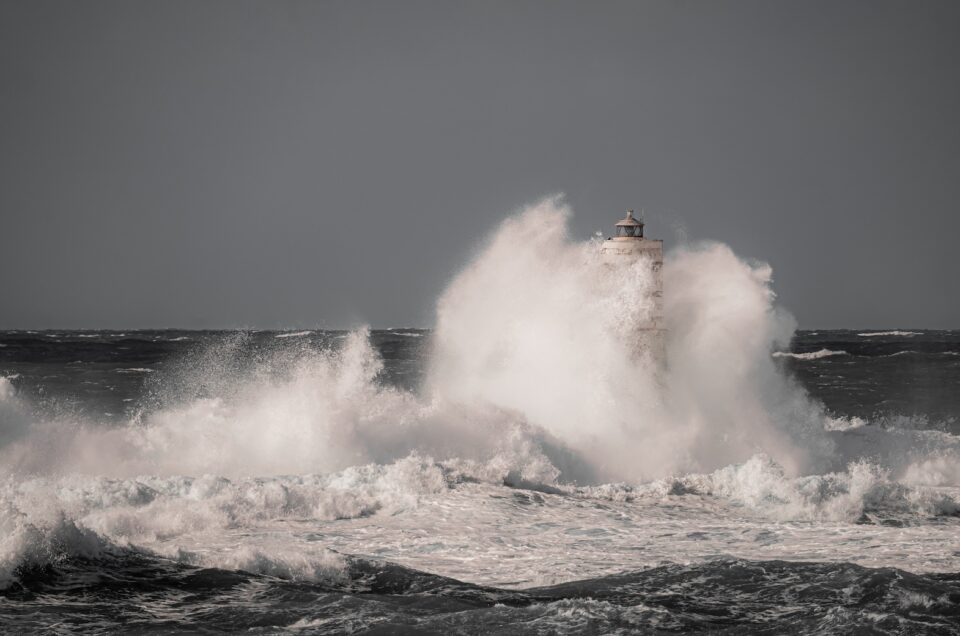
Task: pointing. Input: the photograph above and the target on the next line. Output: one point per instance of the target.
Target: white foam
(453, 521)
(44, 536)
(533, 383)
(871, 334)
(938, 469)
(270, 558)
(844, 423)
(540, 325)
(813, 355)
(842, 496)
(532, 345)
(190, 519)
(295, 334)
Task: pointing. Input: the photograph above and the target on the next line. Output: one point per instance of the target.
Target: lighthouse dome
(629, 227)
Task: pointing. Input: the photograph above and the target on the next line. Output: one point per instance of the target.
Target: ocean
(430, 542)
(532, 464)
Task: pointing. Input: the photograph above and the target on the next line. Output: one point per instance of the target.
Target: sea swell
(524, 463)
(716, 596)
(194, 521)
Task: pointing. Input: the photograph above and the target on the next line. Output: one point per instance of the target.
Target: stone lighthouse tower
(628, 246)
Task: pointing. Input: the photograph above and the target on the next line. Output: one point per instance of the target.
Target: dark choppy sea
(266, 482)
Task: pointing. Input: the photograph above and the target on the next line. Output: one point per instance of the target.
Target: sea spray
(532, 370)
(538, 324)
(722, 386)
(313, 412)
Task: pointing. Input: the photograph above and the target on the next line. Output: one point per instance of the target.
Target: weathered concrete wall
(623, 251)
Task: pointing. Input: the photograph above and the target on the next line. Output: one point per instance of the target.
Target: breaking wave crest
(532, 354)
(189, 520)
(48, 520)
(813, 355)
(534, 382)
(876, 334)
(533, 346)
(864, 492)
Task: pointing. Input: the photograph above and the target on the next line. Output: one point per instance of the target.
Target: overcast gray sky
(282, 164)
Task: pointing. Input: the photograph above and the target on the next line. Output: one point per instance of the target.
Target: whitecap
(844, 423)
(871, 334)
(812, 355)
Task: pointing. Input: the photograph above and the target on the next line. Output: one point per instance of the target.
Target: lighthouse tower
(628, 246)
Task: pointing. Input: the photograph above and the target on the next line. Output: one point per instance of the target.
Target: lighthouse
(626, 247)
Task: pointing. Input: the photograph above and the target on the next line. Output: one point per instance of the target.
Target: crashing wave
(863, 492)
(531, 384)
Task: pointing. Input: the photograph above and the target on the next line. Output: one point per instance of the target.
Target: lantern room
(629, 227)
